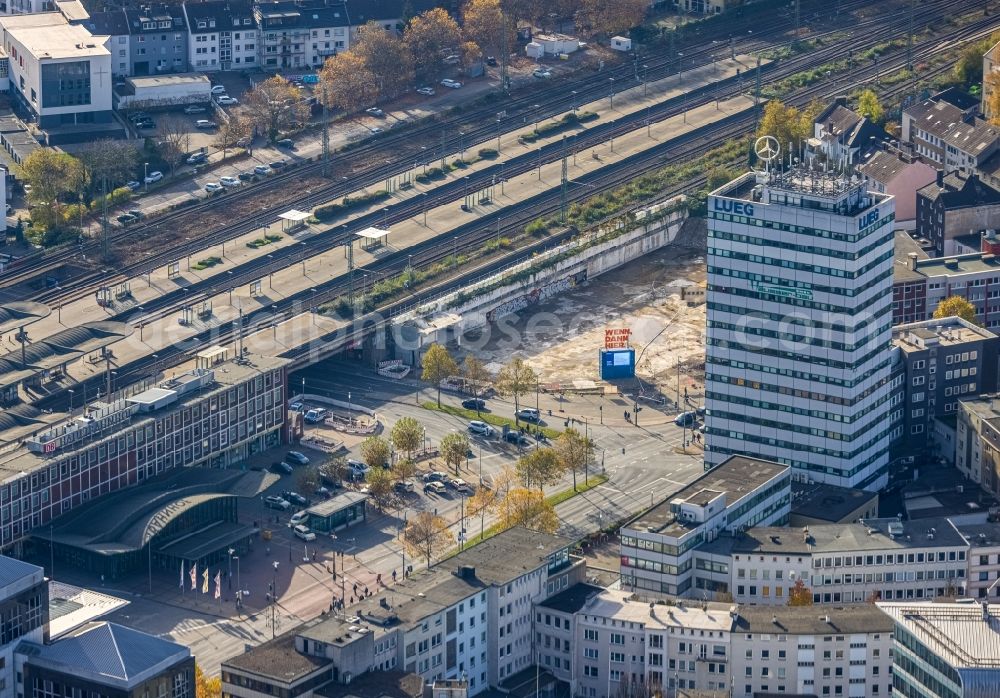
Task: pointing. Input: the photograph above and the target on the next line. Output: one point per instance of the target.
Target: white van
(315, 416)
(481, 428)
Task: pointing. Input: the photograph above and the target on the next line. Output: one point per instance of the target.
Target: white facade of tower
(800, 325)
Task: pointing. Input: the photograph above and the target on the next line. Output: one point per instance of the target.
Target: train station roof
(59, 349)
(16, 315)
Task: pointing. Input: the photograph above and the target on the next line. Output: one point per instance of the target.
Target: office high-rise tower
(799, 324)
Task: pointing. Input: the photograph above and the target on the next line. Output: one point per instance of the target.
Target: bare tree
(427, 535)
(346, 83)
(174, 141)
(386, 57)
(231, 133)
(275, 106)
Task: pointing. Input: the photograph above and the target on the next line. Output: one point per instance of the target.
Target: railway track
(477, 233)
(403, 146)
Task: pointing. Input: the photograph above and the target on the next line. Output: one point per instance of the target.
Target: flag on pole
(204, 581)
(218, 584)
(194, 576)
(182, 575)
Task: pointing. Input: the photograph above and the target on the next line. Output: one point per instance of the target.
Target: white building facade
(799, 321)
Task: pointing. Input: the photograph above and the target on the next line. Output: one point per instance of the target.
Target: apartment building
(625, 645)
(954, 211)
(943, 360)
(158, 40)
(921, 284)
(846, 563)
(841, 135)
(802, 650)
(977, 442)
(799, 314)
(115, 25)
(983, 539)
(223, 35)
(945, 649)
(900, 175)
(301, 34)
(657, 547)
(215, 416)
(555, 629)
(945, 131)
(470, 616)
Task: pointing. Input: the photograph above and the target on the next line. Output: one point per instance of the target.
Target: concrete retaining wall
(598, 253)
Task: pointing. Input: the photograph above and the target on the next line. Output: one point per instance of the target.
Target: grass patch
(487, 417)
(206, 263)
(553, 499)
(567, 121)
(266, 240)
(489, 153)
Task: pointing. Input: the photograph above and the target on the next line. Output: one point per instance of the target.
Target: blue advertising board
(617, 363)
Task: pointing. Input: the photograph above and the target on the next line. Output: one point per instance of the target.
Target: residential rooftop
(618, 604)
(980, 535)
(821, 501)
(964, 635)
(735, 477)
(811, 620)
(939, 332)
(573, 599)
(872, 534)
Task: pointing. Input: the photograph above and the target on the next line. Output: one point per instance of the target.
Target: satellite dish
(767, 149)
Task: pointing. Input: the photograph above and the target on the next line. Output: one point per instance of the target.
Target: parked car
(245, 176)
(453, 59)
(213, 187)
(435, 476)
(295, 406)
(457, 483)
(153, 177)
(226, 100)
(286, 143)
(138, 116)
(126, 219)
(685, 419)
(543, 73)
(297, 457)
(427, 91)
(273, 502)
(298, 517)
(491, 61)
(218, 89)
(197, 158)
(136, 212)
(277, 164)
(204, 124)
(528, 414)
(304, 533)
(474, 403)
(134, 185)
(282, 468)
(194, 109)
(228, 181)
(435, 488)
(295, 498)
(245, 142)
(515, 437)
(481, 428)
(376, 130)
(404, 487)
(146, 124)
(315, 416)
(375, 111)
(262, 170)
(453, 84)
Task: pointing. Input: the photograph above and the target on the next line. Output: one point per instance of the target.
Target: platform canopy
(20, 313)
(294, 216)
(372, 233)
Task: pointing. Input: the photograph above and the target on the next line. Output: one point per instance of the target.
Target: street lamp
(274, 599)
(230, 576)
(612, 92)
(145, 175)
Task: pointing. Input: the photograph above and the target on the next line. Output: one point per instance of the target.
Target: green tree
(869, 107)
(539, 467)
(53, 176)
(784, 123)
(454, 449)
(956, 306)
(427, 37)
(574, 452)
(438, 365)
(427, 535)
(404, 469)
(375, 451)
(380, 486)
(407, 435)
(719, 175)
(515, 379)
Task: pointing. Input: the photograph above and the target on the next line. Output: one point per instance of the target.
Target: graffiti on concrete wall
(536, 295)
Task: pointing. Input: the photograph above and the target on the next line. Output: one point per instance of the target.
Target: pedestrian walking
(394, 575)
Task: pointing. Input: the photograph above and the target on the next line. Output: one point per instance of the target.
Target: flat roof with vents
(736, 477)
